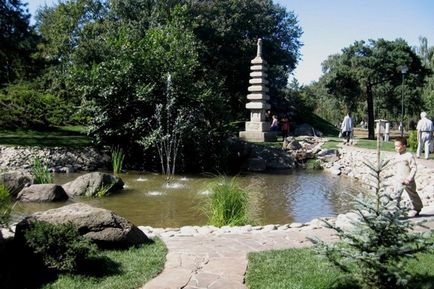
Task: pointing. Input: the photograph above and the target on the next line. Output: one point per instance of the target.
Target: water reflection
(293, 196)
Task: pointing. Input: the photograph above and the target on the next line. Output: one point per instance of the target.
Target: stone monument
(257, 129)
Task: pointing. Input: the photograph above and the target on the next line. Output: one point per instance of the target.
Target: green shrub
(228, 204)
(412, 140)
(41, 173)
(25, 107)
(379, 242)
(5, 205)
(60, 246)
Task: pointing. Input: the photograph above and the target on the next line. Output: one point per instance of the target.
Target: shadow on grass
(100, 266)
(417, 281)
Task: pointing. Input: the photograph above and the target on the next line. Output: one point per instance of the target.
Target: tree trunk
(370, 102)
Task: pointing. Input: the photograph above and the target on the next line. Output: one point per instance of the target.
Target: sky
(331, 25)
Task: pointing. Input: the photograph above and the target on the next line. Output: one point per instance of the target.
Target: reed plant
(5, 206)
(117, 159)
(228, 203)
(41, 173)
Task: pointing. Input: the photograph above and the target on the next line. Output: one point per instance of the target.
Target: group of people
(404, 163)
(283, 126)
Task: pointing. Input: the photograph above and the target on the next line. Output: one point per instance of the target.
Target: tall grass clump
(41, 173)
(228, 204)
(5, 206)
(117, 159)
(377, 244)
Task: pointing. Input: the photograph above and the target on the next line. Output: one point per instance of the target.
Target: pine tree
(375, 248)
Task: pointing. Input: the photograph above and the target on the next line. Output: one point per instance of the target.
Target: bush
(379, 242)
(228, 204)
(412, 140)
(60, 247)
(23, 106)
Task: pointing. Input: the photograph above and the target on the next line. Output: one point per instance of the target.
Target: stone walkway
(212, 261)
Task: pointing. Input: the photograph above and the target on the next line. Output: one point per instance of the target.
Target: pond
(284, 197)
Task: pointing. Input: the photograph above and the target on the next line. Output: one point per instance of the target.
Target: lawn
(123, 269)
(69, 136)
(303, 269)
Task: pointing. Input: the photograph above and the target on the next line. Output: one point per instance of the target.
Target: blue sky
(330, 25)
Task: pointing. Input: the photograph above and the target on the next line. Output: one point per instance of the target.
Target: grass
(68, 136)
(120, 269)
(41, 173)
(228, 204)
(117, 159)
(304, 269)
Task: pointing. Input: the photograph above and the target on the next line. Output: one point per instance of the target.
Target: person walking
(405, 171)
(347, 128)
(424, 135)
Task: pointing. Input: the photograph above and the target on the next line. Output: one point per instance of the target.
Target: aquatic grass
(117, 159)
(227, 204)
(5, 205)
(41, 173)
(103, 191)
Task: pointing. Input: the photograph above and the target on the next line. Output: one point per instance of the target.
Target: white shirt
(425, 124)
(405, 167)
(347, 124)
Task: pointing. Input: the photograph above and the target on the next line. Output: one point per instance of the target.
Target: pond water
(285, 197)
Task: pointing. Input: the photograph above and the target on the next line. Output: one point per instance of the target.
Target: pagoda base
(258, 136)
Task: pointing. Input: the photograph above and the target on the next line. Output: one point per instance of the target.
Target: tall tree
(368, 70)
(426, 53)
(17, 41)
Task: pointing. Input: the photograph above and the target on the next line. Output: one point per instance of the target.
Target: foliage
(380, 240)
(426, 53)
(368, 71)
(60, 246)
(117, 159)
(18, 42)
(117, 55)
(102, 192)
(313, 164)
(228, 204)
(24, 106)
(5, 205)
(41, 173)
(412, 140)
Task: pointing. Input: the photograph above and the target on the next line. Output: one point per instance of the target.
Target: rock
(15, 181)
(257, 164)
(307, 129)
(42, 193)
(89, 184)
(291, 143)
(102, 226)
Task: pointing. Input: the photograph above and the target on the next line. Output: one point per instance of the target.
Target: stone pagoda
(257, 129)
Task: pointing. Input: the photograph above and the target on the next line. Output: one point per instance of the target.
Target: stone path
(219, 261)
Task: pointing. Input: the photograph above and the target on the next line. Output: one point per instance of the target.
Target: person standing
(405, 171)
(347, 128)
(274, 123)
(424, 135)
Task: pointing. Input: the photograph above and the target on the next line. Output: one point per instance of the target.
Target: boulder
(291, 143)
(257, 164)
(102, 226)
(307, 129)
(15, 181)
(90, 184)
(42, 193)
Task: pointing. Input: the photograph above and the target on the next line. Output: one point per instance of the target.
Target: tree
(364, 71)
(229, 30)
(426, 54)
(17, 42)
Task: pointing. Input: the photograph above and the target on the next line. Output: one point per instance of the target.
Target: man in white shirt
(424, 135)
(347, 128)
